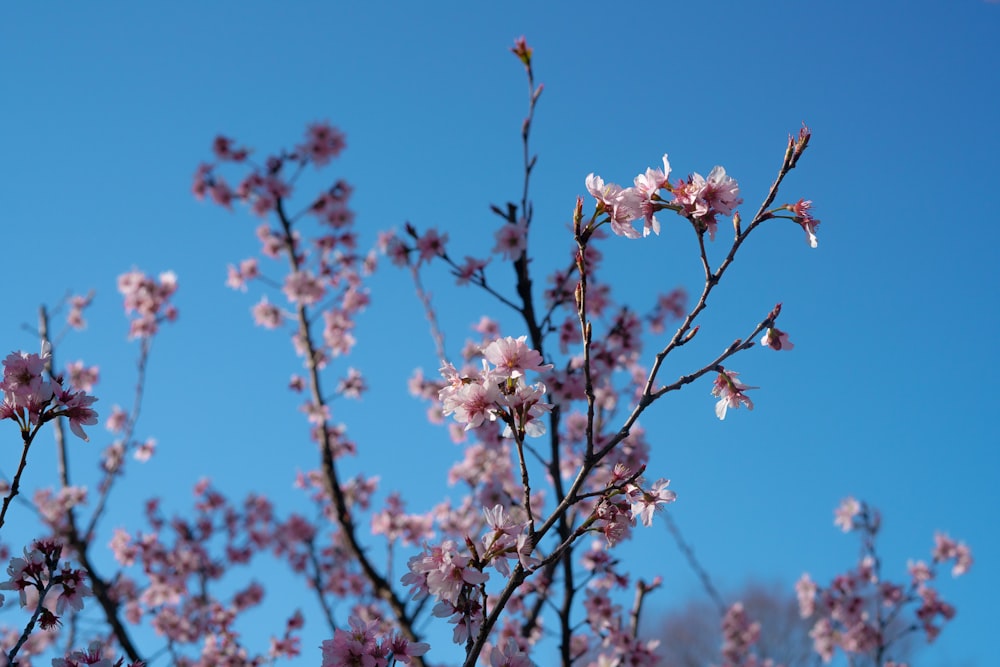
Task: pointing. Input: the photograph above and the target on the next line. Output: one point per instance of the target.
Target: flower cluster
(324, 273)
(363, 645)
(499, 392)
(859, 612)
(265, 186)
(148, 298)
(93, 657)
(38, 577)
(699, 199)
(610, 639)
(739, 634)
(452, 577)
(30, 399)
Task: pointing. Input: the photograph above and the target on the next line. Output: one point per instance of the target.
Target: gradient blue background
(889, 395)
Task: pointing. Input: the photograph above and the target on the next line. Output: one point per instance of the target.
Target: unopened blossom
(730, 393)
(522, 50)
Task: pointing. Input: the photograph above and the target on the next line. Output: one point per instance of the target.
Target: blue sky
(888, 395)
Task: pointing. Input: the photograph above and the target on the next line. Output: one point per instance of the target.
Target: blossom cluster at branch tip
(849, 612)
(698, 198)
(30, 399)
(522, 50)
(148, 299)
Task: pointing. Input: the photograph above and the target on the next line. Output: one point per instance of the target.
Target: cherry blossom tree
(554, 459)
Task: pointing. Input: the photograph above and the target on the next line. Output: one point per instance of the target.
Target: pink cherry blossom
(508, 654)
(77, 305)
(473, 404)
(648, 185)
(701, 199)
(266, 314)
(730, 393)
(622, 205)
(805, 590)
(82, 378)
(722, 192)
(148, 299)
(431, 245)
(512, 357)
(76, 408)
(845, 513)
(145, 450)
(512, 240)
(117, 420)
(804, 217)
(225, 150)
(946, 549)
(302, 287)
(645, 503)
(776, 339)
(470, 268)
(323, 142)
